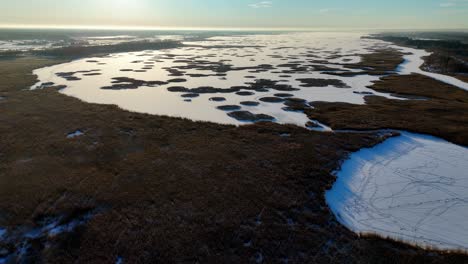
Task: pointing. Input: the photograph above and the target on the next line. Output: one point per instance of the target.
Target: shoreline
(439, 50)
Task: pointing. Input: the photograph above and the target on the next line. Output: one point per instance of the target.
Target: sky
(368, 14)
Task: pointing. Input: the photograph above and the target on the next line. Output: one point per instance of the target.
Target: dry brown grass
(379, 62)
(443, 114)
(171, 190)
(461, 77)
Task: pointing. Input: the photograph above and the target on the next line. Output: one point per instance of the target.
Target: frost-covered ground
(412, 188)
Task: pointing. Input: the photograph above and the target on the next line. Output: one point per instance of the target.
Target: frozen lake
(415, 60)
(174, 82)
(412, 188)
(209, 80)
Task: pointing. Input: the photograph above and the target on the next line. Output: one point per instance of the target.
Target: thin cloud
(263, 4)
(327, 10)
(448, 4)
(453, 3)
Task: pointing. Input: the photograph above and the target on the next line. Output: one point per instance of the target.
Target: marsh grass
(172, 190)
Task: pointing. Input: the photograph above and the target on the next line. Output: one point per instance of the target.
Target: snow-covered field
(412, 188)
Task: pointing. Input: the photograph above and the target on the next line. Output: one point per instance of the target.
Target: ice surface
(33, 44)
(412, 188)
(42, 44)
(310, 50)
(414, 61)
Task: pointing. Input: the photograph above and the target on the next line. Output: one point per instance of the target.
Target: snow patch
(75, 134)
(119, 260)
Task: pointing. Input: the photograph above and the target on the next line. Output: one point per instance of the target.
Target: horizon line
(176, 28)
